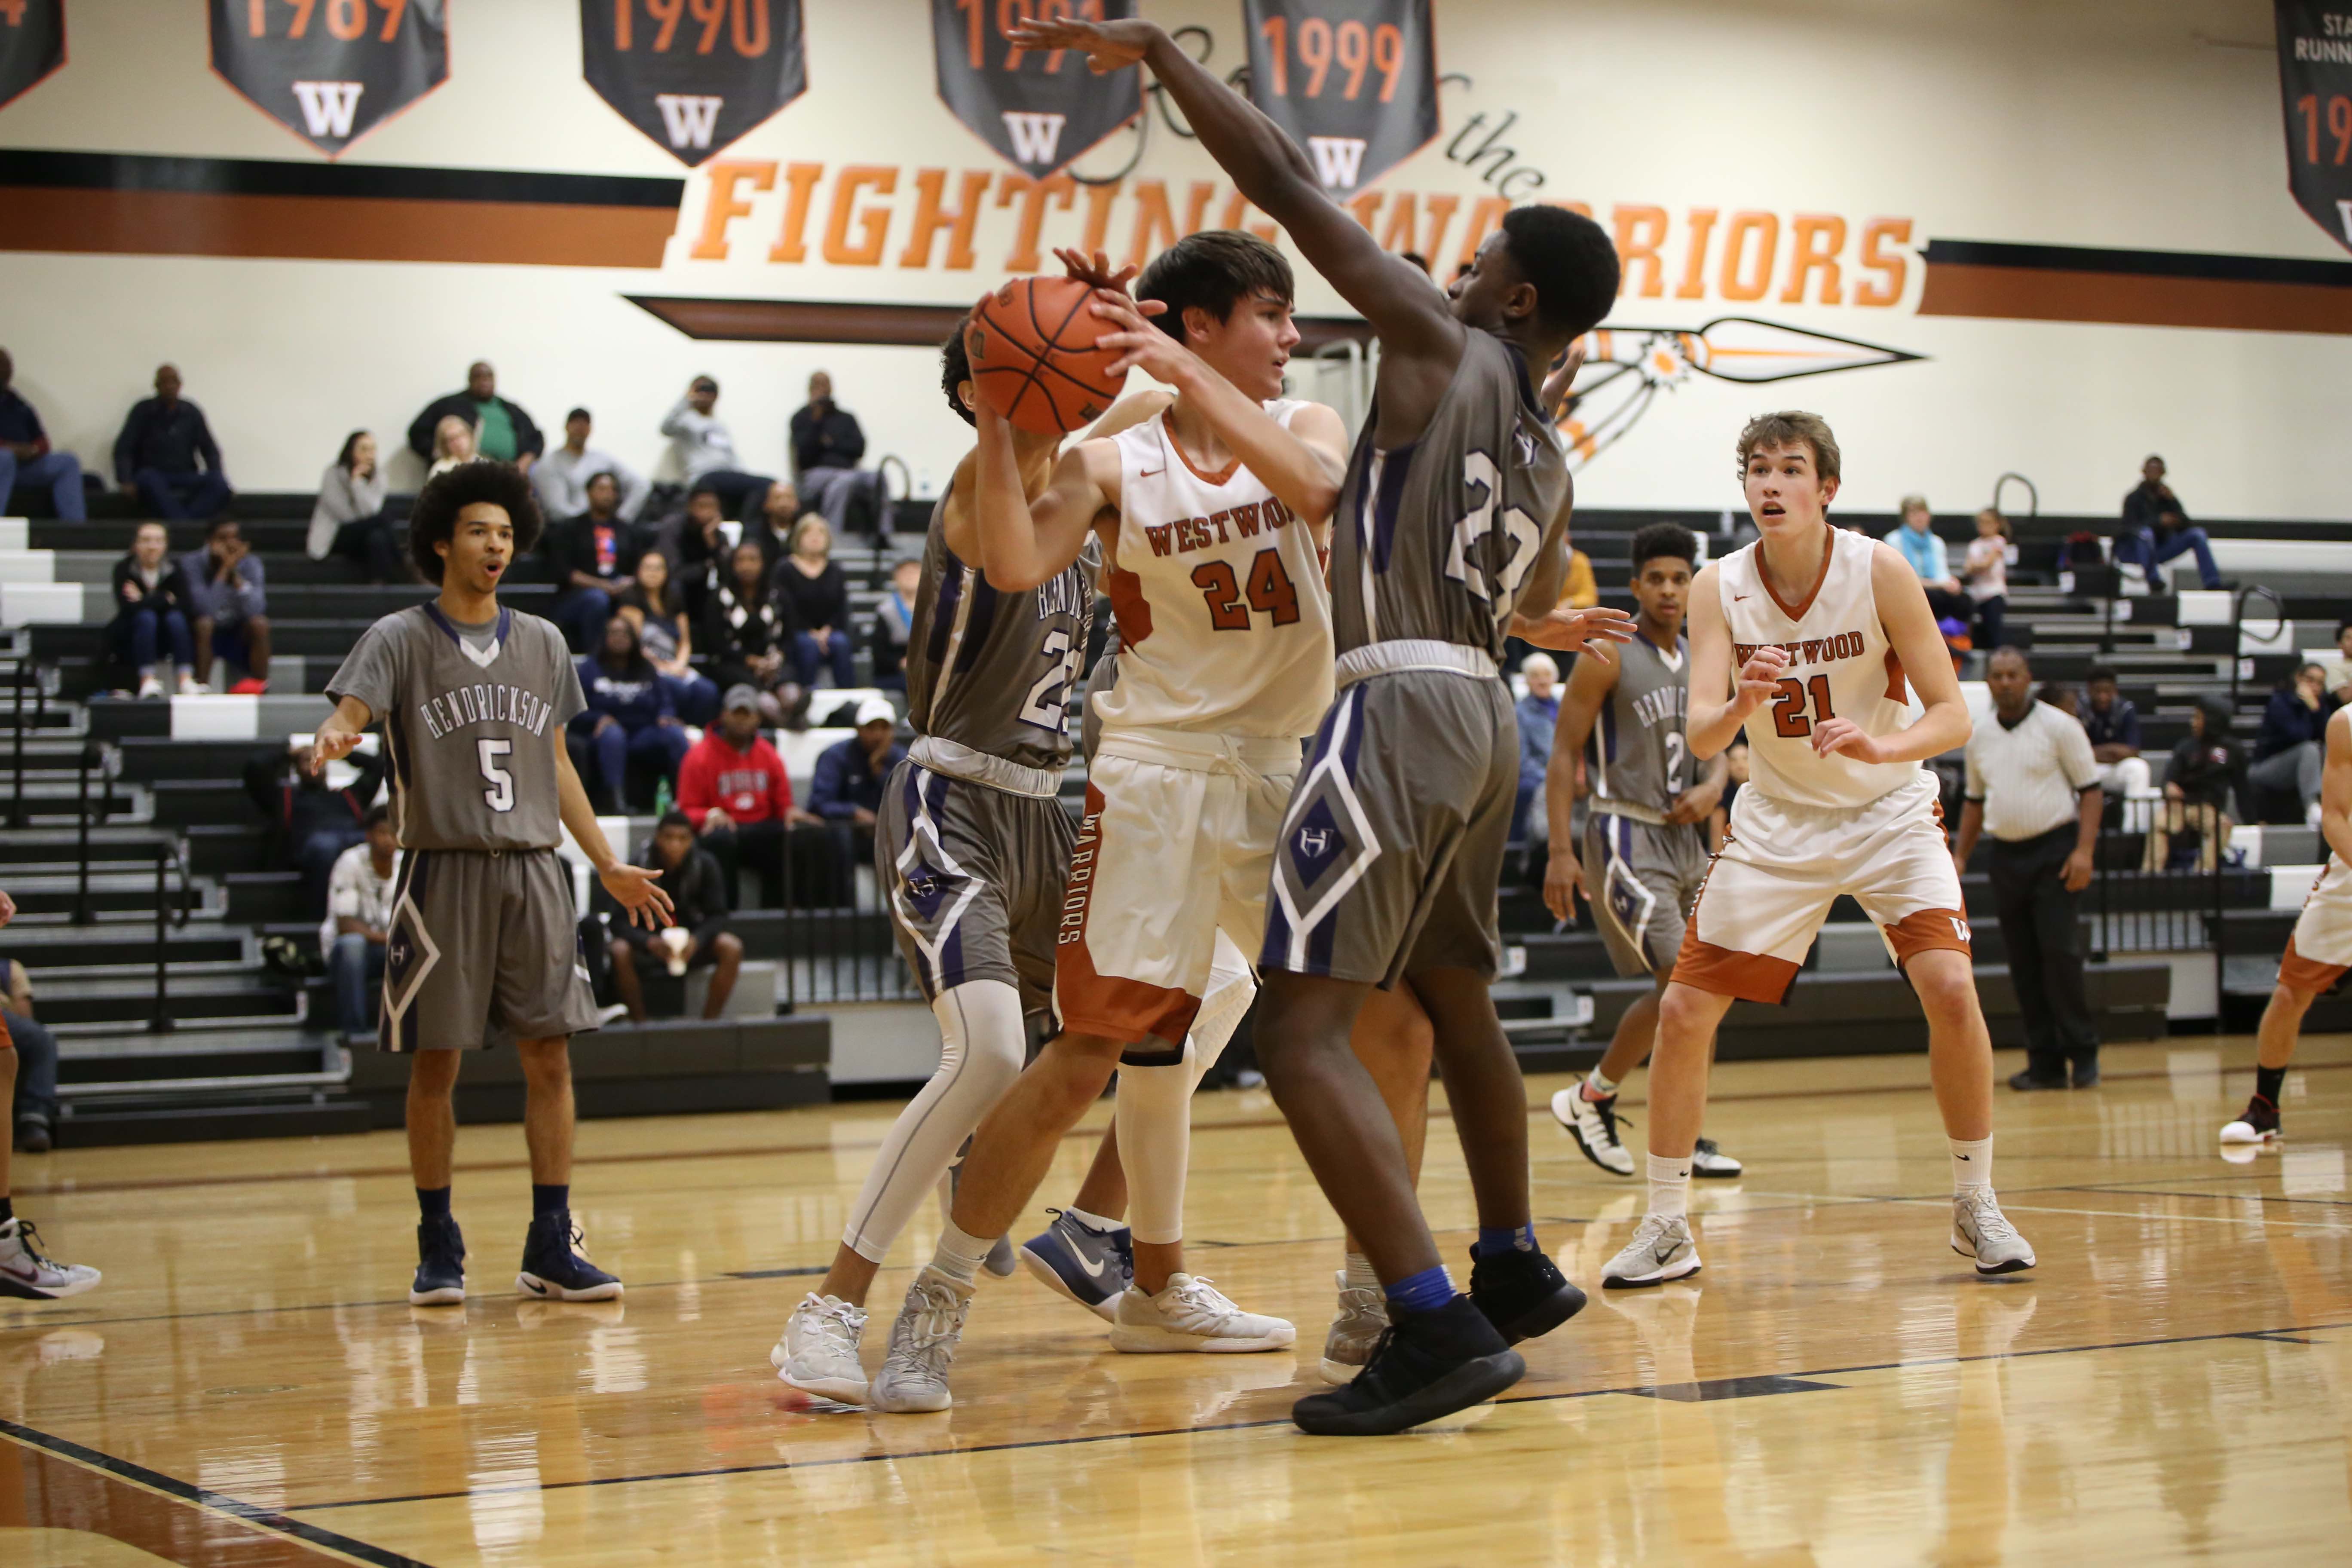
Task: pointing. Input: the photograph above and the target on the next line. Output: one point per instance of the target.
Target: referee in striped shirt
(2034, 784)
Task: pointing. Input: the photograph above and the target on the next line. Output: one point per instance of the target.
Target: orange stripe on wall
(2037, 294)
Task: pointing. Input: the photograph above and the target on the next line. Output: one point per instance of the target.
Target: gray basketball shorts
(484, 949)
(974, 877)
(1642, 879)
(1391, 850)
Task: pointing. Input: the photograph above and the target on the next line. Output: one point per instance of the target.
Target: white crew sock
(1093, 1222)
(1154, 1111)
(1599, 1087)
(1971, 1164)
(1670, 1186)
(959, 1256)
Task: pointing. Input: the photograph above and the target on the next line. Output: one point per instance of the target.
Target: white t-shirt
(1987, 568)
(354, 889)
(2029, 777)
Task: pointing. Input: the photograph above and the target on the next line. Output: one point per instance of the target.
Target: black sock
(545, 1201)
(433, 1203)
(2269, 1082)
(8, 1210)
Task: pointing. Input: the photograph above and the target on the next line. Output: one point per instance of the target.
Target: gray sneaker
(818, 1349)
(1662, 1249)
(914, 1375)
(1979, 1230)
(1362, 1318)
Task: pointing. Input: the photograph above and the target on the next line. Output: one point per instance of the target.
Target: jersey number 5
(1270, 590)
(1789, 718)
(499, 796)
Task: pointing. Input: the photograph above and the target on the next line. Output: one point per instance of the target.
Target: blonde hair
(800, 531)
(1912, 503)
(1787, 428)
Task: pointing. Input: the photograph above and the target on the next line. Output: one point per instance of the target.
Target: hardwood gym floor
(2173, 1383)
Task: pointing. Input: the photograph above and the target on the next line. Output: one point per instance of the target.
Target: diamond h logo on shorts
(1314, 843)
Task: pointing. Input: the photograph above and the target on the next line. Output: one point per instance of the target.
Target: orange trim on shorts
(1109, 1005)
(1750, 976)
(2308, 975)
(1928, 930)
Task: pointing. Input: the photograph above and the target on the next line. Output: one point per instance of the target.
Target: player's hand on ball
(633, 888)
(1107, 46)
(1563, 881)
(1840, 738)
(330, 746)
(1556, 386)
(1139, 343)
(1564, 631)
(1760, 675)
(1094, 270)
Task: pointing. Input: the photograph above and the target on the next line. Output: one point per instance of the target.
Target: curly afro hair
(434, 519)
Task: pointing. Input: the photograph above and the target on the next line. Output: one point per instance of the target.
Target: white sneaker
(1662, 1249)
(150, 688)
(188, 687)
(914, 1375)
(1362, 1318)
(1979, 1230)
(27, 1272)
(818, 1351)
(1192, 1315)
(1706, 1159)
(1593, 1124)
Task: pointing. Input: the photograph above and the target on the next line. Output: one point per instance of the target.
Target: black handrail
(26, 670)
(2032, 496)
(167, 854)
(94, 754)
(2237, 629)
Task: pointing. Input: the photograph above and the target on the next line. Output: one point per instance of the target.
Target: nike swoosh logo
(1968, 1156)
(1093, 1270)
(1665, 1254)
(535, 1287)
(27, 1274)
(1736, 598)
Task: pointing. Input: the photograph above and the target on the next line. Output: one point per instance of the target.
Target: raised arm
(1022, 544)
(1911, 630)
(1589, 685)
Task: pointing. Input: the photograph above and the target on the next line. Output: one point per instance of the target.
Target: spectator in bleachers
(353, 938)
(563, 476)
(228, 606)
(2113, 723)
(166, 453)
(697, 544)
(34, 1108)
(595, 562)
(500, 429)
(846, 792)
(705, 448)
(150, 634)
(2206, 770)
(349, 518)
(817, 593)
(1915, 540)
(698, 911)
(1579, 590)
(1986, 568)
(2291, 751)
(771, 531)
(2060, 696)
(311, 822)
(1538, 716)
(826, 446)
(750, 637)
(664, 632)
(893, 623)
(25, 456)
(2156, 528)
(733, 788)
(2339, 668)
(630, 717)
(453, 443)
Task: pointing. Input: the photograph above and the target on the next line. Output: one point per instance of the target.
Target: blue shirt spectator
(1538, 713)
(158, 454)
(850, 774)
(25, 455)
(631, 717)
(229, 612)
(2116, 724)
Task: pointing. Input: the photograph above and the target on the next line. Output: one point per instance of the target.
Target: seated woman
(151, 615)
(453, 443)
(650, 606)
(629, 717)
(697, 894)
(813, 580)
(349, 517)
(751, 633)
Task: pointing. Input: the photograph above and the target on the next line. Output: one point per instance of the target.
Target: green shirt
(494, 434)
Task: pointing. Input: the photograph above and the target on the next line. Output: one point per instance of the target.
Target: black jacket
(825, 438)
(171, 589)
(297, 806)
(2145, 504)
(528, 440)
(697, 889)
(169, 440)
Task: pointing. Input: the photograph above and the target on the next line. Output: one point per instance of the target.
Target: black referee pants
(2041, 926)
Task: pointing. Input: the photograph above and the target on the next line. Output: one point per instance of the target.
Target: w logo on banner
(332, 77)
(1034, 136)
(1353, 81)
(688, 120)
(328, 107)
(1337, 159)
(1041, 111)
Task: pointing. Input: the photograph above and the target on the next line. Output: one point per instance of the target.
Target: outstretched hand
(633, 889)
(1564, 631)
(330, 746)
(1107, 46)
(1094, 271)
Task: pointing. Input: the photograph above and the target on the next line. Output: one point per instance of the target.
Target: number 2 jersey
(472, 717)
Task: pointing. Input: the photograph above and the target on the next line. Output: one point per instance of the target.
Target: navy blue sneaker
(1092, 1267)
(1523, 1294)
(1426, 1365)
(440, 1266)
(551, 1271)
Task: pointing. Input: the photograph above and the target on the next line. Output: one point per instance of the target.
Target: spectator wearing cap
(228, 608)
(1915, 540)
(846, 792)
(893, 623)
(502, 429)
(704, 448)
(733, 789)
(595, 562)
(350, 518)
(2032, 784)
(166, 453)
(698, 914)
(826, 446)
(2156, 529)
(25, 456)
(561, 477)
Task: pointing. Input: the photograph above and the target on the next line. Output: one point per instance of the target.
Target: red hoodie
(750, 786)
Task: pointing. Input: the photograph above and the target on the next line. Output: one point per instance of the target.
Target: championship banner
(1040, 110)
(332, 70)
(1353, 81)
(694, 75)
(2316, 81)
(32, 44)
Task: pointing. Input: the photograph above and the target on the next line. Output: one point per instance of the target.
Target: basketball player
(1454, 506)
(25, 1271)
(2319, 951)
(1821, 626)
(484, 944)
(1644, 832)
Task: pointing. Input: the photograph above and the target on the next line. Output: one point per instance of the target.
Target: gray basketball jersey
(472, 734)
(1637, 752)
(1436, 538)
(992, 672)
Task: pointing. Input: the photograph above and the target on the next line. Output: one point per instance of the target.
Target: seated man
(25, 458)
(360, 893)
(167, 454)
(502, 429)
(699, 936)
(2156, 528)
(780, 512)
(36, 1109)
(312, 822)
(231, 609)
(2113, 723)
(704, 448)
(847, 789)
(593, 562)
(561, 477)
(733, 789)
(827, 445)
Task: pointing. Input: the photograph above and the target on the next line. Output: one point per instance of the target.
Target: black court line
(2209, 1197)
(1783, 1383)
(1728, 1388)
(198, 1496)
(775, 1273)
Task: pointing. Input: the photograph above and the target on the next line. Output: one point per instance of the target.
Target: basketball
(1032, 346)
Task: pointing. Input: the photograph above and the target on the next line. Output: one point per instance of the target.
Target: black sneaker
(440, 1266)
(551, 1271)
(2029, 1080)
(2258, 1123)
(2086, 1075)
(1523, 1294)
(1426, 1365)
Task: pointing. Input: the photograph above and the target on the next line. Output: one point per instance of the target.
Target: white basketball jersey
(1225, 617)
(1840, 665)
